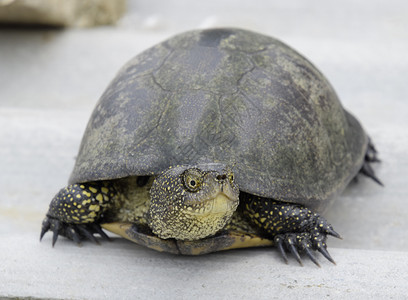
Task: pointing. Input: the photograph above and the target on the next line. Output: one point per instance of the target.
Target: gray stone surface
(51, 79)
(122, 270)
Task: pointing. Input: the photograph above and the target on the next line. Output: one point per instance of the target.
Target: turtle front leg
(75, 211)
(293, 227)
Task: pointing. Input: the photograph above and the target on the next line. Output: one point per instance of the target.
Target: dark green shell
(231, 96)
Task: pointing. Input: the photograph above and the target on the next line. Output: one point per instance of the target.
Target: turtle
(212, 140)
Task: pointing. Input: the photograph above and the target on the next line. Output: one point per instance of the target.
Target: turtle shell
(230, 96)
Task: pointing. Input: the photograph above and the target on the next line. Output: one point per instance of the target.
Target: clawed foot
(307, 242)
(370, 157)
(75, 232)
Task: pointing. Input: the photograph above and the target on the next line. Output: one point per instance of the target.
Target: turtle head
(192, 202)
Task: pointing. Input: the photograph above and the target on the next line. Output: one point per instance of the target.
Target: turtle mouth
(221, 203)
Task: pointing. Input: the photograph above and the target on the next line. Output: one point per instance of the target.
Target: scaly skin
(187, 203)
(75, 210)
(291, 226)
(75, 213)
(192, 203)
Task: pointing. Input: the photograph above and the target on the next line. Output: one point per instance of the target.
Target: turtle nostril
(221, 177)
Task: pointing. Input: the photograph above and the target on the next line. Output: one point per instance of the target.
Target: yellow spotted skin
(274, 217)
(192, 204)
(288, 225)
(187, 210)
(182, 203)
(81, 203)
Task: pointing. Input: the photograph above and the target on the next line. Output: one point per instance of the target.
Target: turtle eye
(192, 181)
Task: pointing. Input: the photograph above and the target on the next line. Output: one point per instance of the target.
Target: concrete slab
(51, 79)
(122, 270)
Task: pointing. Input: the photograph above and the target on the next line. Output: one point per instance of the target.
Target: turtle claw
(290, 244)
(369, 172)
(86, 233)
(279, 243)
(309, 253)
(312, 239)
(370, 157)
(301, 243)
(97, 229)
(55, 234)
(288, 241)
(75, 232)
(331, 232)
(45, 227)
(323, 225)
(325, 253)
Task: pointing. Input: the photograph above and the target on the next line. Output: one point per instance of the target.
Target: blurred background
(58, 56)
